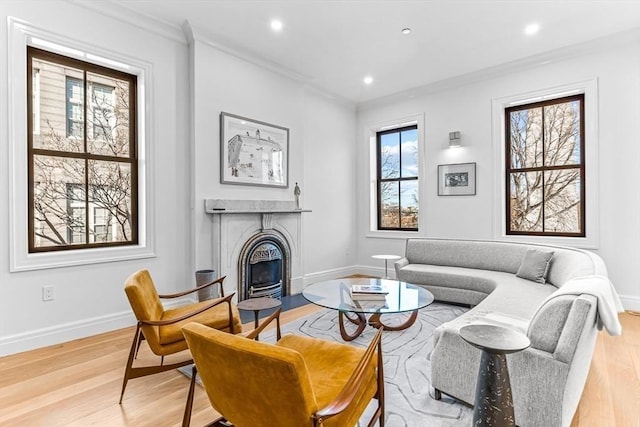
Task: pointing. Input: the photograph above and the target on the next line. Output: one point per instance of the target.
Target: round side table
(493, 405)
(386, 259)
(258, 304)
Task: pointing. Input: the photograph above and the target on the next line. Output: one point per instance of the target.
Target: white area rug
(407, 365)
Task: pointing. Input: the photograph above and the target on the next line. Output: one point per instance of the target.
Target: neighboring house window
(545, 168)
(75, 109)
(102, 114)
(83, 161)
(397, 178)
(35, 87)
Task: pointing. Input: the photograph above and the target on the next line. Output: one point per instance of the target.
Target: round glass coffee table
(336, 295)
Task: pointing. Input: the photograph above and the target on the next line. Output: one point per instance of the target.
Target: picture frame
(458, 179)
(253, 152)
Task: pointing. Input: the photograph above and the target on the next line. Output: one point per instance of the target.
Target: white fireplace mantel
(222, 206)
(236, 221)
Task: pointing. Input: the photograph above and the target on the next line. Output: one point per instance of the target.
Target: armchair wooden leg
(140, 339)
(132, 354)
(130, 372)
(186, 419)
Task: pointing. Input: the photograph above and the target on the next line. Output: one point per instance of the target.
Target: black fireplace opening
(264, 271)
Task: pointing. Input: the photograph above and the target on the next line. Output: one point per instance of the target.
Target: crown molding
(194, 33)
(118, 10)
(541, 59)
(337, 99)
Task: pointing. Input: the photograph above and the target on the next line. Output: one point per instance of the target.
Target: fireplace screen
(264, 271)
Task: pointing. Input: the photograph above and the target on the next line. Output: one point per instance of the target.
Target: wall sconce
(454, 139)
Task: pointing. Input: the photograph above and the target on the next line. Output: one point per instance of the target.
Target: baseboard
(65, 332)
(53, 335)
(336, 273)
(630, 302)
(347, 271)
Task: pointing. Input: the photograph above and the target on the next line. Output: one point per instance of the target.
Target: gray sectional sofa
(547, 379)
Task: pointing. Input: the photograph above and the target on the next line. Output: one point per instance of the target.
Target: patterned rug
(407, 365)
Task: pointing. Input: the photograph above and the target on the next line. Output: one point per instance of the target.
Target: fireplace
(264, 266)
(240, 228)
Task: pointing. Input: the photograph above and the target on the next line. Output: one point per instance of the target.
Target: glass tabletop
(336, 294)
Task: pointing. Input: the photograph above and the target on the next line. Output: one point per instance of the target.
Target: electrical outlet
(48, 293)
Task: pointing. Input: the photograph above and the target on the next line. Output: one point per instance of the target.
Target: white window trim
(21, 35)
(370, 133)
(592, 224)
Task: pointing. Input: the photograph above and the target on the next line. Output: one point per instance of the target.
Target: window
(82, 156)
(545, 168)
(397, 178)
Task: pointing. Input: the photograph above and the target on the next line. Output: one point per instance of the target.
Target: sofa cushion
(535, 265)
(452, 277)
(496, 256)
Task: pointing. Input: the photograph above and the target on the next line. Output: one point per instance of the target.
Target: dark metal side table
(493, 404)
(258, 304)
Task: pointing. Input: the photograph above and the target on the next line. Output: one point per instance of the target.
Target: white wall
(321, 155)
(467, 107)
(90, 299)
(329, 177)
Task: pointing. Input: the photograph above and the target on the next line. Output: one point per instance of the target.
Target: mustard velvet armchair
(161, 328)
(296, 382)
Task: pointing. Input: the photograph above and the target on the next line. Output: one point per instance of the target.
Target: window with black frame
(545, 168)
(82, 154)
(397, 178)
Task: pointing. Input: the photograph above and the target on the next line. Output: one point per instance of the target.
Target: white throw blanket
(609, 304)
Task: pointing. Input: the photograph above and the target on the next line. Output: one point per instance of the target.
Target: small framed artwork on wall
(253, 152)
(457, 179)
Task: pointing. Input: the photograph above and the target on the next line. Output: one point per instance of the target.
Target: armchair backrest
(145, 303)
(248, 380)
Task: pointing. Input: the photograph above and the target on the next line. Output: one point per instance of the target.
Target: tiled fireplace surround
(237, 223)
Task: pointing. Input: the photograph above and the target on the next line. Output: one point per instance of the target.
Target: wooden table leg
(359, 320)
(375, 321)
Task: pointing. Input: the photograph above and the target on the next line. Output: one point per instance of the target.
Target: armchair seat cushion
(330, 365)
(216, 317)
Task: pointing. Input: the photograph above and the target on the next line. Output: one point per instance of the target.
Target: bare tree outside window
(82, 159)
(397, 178)
(545, 168)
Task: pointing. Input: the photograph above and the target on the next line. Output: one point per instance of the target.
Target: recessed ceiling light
(276, 25)
(531, 29)
(367, 80)
(406, 30)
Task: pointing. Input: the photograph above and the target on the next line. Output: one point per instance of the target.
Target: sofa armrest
(580, 322)
(558, 325)
(403, 262)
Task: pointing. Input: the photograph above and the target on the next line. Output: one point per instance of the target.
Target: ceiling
(333, 44)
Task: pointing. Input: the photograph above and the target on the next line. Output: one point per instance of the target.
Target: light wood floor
(78, 384)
